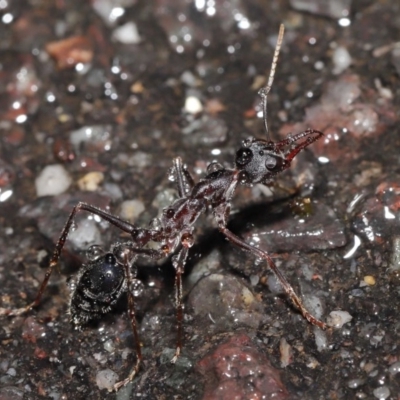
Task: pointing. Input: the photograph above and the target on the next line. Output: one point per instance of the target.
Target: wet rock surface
(109, 91)
(237, 370)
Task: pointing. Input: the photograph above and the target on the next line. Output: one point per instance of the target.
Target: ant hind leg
(132, 317)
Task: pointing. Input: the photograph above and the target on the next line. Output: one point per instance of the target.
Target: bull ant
(99, 284)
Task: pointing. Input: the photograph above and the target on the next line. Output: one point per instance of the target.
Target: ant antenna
(263, 92)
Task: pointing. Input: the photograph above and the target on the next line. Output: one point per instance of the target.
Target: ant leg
(117, 222)
(126, 253)
(132, 317)
(184, 179)
(178, 262)
(285, 284)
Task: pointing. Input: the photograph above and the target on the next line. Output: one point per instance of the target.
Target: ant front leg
(117, 222)
(184, 179)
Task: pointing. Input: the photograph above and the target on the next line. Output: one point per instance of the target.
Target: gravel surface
(98, 97)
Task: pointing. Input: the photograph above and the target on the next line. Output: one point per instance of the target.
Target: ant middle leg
(117, 222)
(287, 287)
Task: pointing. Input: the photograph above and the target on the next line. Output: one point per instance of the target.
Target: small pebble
(394, 263)
(111, 10)
(84, 134)
(314, 304)
(312, 363)
(394, 368)
(53, 180)
(137, 87)
(4, 365)
(189, 79)
(332, 9)
(357, 293)
(364, 121)
(127, 34)
(90, 182)
(341, 60)
(71, 51)
(286, 353)
(85, 234)
(54, 395)
(109, 346)
(131, 209)
(321, 341)
(338, 318)
(247, 297)
(193, 105)
(384, 92)
(113, 190)
(254, 280)
(382, 392)
(106, 379)
(369, 280)
(361, 395)
(355, 383)
(274, 285)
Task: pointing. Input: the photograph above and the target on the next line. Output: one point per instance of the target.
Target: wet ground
(110, 91)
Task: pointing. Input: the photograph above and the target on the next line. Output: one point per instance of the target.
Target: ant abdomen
(96, 289)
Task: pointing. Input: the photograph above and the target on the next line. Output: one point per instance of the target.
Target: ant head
(259, 161)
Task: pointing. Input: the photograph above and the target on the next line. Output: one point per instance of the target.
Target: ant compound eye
(243, 156)
(270, 162)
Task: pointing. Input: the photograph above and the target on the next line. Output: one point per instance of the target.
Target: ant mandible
(100, 283)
